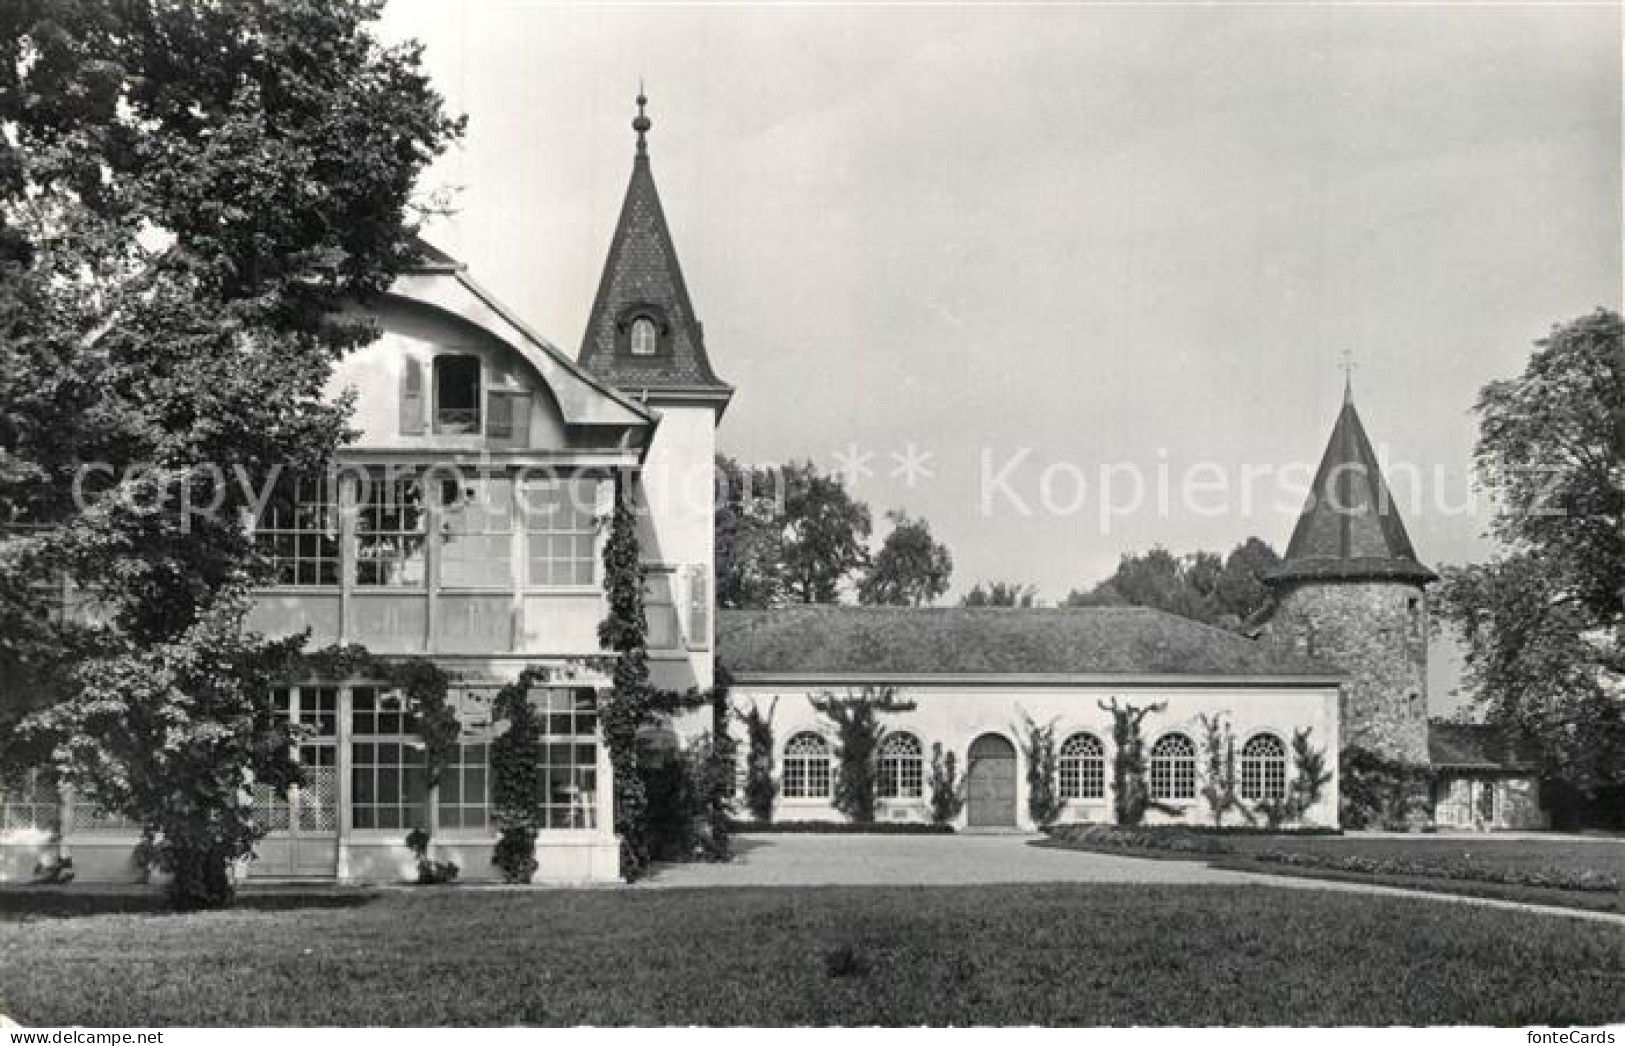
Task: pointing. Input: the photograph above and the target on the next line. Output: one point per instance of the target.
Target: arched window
(1263, 768)
(806, 767)
(1173, 768)
(645, 337)
(902, 767)
(1083, 768)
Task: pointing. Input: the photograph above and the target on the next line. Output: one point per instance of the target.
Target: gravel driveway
(922, 860)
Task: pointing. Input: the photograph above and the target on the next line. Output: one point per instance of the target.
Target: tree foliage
(189, 195)
(749, 535)
(1000, 594)
(1542, 621)
(825, 531)
(911, 569)
(859, 733)
(1201, 586)
(761, 790)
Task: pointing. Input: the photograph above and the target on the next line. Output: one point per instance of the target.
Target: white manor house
(466, 414)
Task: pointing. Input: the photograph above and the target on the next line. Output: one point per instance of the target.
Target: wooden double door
(990, 783)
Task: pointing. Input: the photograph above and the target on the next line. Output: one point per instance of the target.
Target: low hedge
(1546, 878)
(843, 828)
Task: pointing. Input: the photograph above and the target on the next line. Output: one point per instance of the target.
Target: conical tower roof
(643, 280)
(1350, 528)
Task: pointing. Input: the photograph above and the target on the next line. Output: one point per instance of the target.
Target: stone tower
(1352, 592)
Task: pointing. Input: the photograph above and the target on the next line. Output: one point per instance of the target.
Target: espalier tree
(188, 194)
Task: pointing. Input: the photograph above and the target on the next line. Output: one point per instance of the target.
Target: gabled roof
(442, 282)
(642, 270)
(1350, 527)
(1475, 746)
(1117, 642)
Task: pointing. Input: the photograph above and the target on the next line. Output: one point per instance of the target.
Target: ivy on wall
(1131, 791)
(858, 735)
(422, 683)
(1219, 758)
(518, 783)
(1309, 781)
(1044, 802)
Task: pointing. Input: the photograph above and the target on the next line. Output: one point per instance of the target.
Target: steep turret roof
(643, 278)
(1350, 527)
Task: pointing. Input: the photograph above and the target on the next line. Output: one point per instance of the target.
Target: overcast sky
(1097, 234)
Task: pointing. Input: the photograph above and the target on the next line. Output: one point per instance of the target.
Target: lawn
(1064, 954)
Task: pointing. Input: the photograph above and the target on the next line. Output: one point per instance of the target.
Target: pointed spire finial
(641, 123)
(1348, 366)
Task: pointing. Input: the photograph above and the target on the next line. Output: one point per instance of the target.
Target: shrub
(847, 961)
(678, 821)
(1377, 791)
(947, 790)
(760, 788)
(430, 871)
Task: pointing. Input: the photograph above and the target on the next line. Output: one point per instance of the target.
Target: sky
(1019, 256)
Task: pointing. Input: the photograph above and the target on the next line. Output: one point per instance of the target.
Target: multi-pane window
(645, 337)
(806, 767)
(298, 532)
(660, 611)
(457, 394)
(476, 530)
(463, 800)
(1082, 768)
(389, 785)
(1173, 768)
(1263, 768)
(562, 531)
(569, 756)
(31, 805)
(902, 767)
(390, 531)
(312, 712)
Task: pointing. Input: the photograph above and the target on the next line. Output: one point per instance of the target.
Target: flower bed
(1451, 868)
(843, 827)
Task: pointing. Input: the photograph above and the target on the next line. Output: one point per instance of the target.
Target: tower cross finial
(641, 123)
(1348, 366)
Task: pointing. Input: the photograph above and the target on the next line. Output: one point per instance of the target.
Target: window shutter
(499, 418)
(508, 418)
(412, 412)
(699, 606)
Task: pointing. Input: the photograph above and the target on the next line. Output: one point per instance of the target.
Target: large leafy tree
(749, 535)
(1542, 621)
(823, 535)
(911, 569)
(189, 195)
(1200, 585)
